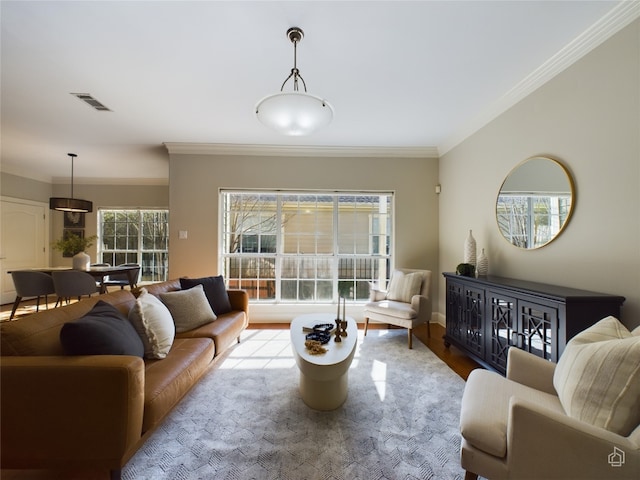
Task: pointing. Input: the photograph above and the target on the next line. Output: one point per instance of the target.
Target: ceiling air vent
(89, 100)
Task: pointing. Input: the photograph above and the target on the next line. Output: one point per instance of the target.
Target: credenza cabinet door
(538, 329)
(467, 325)
(503, 327)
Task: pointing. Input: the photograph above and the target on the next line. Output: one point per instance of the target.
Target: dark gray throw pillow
(214, 289)
(102, 331)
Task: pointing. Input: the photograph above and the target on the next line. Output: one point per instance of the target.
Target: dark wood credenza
(487, 315)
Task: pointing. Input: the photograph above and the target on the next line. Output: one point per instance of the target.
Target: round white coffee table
(323, 378)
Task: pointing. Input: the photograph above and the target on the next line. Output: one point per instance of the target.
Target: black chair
(29, 283)
(73, 284)
(122, 279)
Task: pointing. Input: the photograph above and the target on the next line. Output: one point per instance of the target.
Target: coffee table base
(323, 395)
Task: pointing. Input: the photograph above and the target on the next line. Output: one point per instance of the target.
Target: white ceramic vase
(470, 250)
(483, 265)
(81, 261)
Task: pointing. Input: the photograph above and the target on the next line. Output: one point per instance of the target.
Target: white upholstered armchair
(574, 420)
(406, 303)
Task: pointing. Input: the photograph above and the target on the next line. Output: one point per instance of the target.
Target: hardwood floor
(453, 357)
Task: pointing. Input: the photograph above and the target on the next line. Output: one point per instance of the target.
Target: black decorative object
(319, 336)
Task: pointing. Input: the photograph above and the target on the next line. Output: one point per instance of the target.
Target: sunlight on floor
(379, 377)
(260, 349)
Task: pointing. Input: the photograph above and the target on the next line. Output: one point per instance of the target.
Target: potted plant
(74, 245)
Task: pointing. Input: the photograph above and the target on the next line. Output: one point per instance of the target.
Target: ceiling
(413, 77)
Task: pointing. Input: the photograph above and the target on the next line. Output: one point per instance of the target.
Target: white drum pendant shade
(294, 113)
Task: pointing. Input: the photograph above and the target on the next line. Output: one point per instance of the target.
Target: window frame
(148, 272)
(381, 264)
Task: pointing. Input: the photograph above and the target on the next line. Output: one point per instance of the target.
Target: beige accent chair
(516, 428)
(406, 304)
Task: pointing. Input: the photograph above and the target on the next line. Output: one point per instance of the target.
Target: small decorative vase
(470, 250)
(81, 261)
(483, 265)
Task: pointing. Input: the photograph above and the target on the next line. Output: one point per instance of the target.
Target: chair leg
(428, 329)
(470, 476)
(15, 307)
(366, 325)
(410, 338)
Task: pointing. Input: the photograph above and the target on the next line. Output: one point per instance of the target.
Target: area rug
(246, 420)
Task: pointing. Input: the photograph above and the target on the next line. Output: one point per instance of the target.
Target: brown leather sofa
(93, 412)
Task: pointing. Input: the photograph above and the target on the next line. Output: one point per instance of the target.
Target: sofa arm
(74, 411)
(530, 370)
(375, 294)
(548, 444)
(239, 300)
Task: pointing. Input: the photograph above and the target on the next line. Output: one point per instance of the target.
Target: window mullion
(279, 247)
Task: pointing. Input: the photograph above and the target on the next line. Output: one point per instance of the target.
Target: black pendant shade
(70, 204)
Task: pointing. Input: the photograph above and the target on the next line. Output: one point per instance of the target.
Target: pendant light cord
(72, 155)
(295, 73)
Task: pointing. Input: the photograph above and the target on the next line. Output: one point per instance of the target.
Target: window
(135, 236)
(305, 247)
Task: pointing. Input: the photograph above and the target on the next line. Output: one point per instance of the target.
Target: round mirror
(535, 202)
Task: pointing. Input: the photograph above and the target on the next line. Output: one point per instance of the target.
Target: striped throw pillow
(404, 286)
(598, 377)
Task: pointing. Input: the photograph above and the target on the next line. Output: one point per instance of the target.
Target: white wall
(195, 181)
(588, 117)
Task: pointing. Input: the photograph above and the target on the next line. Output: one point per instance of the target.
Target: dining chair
(122, 279)
(73, 284)
(29, 283)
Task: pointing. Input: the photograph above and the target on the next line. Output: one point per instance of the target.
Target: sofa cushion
(225, 331)
(167, 381)
(486, 428)
(153, 321)
(102, 331)
(598, 377)
(404, 286)
(214, 289)
(189, 308)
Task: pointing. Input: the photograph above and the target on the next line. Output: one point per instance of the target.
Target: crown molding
(618, 17)
(299, 150)
(112, 181)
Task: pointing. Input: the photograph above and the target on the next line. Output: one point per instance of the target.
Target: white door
(24, 236)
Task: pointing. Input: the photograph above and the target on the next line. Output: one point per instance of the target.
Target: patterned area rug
(245, 419)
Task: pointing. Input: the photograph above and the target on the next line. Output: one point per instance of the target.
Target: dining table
(100, 273)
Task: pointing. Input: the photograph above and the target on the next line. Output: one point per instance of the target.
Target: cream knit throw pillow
(598, 377)
(189, 308)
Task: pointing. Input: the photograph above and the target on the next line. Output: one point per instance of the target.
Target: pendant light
(294, 113)
(70, 204)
